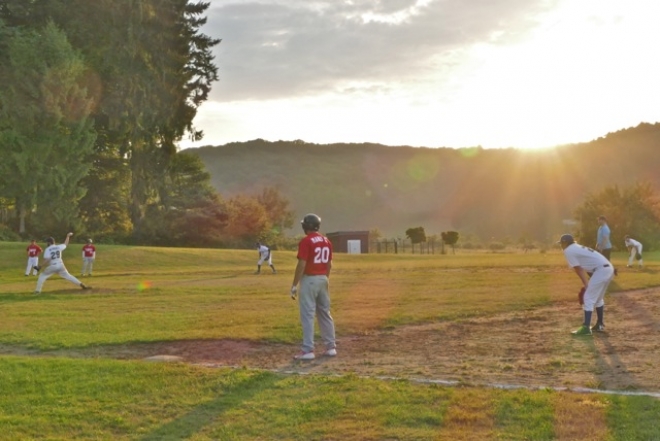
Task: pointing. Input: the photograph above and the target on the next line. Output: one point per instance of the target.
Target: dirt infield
(530, 348)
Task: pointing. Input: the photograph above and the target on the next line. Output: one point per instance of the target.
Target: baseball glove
(638, 256)
(38, 268)
(581, 295)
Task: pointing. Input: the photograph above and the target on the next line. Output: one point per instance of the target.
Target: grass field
(61, 376)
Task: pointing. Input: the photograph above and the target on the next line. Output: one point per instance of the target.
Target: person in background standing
(603, 241)
(88, 256)
(33, 251)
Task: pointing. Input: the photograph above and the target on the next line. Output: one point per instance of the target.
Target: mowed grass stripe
(470, 416)
(633, 418)
(524, 415)
(580, 417)
(53, 398)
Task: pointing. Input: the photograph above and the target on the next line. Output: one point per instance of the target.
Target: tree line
(94, 96)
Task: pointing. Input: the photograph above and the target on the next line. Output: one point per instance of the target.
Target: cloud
(295, 48)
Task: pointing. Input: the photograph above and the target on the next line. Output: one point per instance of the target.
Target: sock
(587, 318)
(258, 268)
(599, 312)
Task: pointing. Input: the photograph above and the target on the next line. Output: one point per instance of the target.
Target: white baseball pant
(57, 268)
(31, 263)
(595, 294)
(633, 253)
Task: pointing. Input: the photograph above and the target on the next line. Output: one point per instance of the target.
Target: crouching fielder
(635, 248)
(583, 260)
(265, 256)
(53, 264)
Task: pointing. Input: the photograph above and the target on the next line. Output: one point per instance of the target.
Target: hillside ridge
(487, 192)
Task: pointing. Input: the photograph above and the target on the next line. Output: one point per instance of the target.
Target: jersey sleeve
(303, 250)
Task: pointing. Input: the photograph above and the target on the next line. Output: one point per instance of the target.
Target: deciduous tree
(633, 210)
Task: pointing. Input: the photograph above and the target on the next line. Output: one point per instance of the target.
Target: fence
(402, 246)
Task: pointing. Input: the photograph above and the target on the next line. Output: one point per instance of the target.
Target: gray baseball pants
(88, 263)
(314, 300)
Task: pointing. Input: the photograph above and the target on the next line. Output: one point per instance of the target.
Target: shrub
(496, 246)
(7, 235)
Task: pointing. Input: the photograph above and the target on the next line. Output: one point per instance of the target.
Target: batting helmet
(566, 239)
(311, 222)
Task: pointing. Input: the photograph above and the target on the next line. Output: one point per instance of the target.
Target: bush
(7, 235)
(496, 246)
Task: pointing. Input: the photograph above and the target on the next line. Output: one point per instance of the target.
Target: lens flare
(143, 286)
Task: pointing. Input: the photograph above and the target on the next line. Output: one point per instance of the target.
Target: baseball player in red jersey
(88, 256)
(33, 251)
(53, 264)
(312, 272)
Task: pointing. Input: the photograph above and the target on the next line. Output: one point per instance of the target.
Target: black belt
(606, 265)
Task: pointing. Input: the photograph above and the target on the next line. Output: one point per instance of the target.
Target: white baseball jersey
(54, 253)
(264, 252)
(635, 244)
(587, 258)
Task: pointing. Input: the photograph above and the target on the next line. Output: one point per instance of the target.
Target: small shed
(352, 242)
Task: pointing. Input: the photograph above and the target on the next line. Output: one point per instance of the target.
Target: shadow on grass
(233, 396)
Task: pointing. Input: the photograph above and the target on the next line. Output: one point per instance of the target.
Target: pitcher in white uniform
(53, 264)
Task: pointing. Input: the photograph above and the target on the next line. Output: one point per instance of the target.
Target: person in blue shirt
(603, 242)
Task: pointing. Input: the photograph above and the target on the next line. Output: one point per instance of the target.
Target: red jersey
(316, 250)
(33, 250)
(89, 250)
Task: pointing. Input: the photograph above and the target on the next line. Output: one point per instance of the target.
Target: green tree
(450, 238)
(104, 208)
(189, 212)
(154, 67)
(416, 235)
(633, 210)
(45, 131)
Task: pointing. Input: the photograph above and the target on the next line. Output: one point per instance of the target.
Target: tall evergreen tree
(46, 133)
(153, 67)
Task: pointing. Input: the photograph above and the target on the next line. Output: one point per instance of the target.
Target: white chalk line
(451, 383)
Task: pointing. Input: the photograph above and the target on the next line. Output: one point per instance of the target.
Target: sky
(431, 73)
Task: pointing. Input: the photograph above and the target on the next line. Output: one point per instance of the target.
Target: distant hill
(487, 192)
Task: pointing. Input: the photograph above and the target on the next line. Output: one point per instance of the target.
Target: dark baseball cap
(50, 240)
(566, 238)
